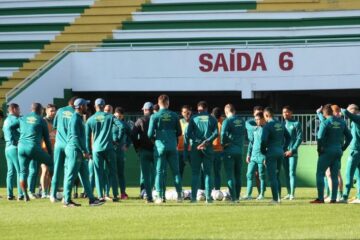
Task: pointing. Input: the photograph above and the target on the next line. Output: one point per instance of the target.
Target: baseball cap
(147, 105)
(99, 102)
(80, 101)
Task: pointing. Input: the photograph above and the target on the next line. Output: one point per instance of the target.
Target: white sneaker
(158, 201)
(32, 196)
(342, 201)
(273, 202)
(287, 197)
(260, 197)
(53, 200)
(355, 201)
(292, 197)
(327, 200)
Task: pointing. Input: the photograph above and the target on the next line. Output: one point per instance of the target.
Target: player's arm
(348, 138)
(353, 117)
(321, 137)
(214, 132)
(151, 130)
(178, 127)
(189, 132)
(249, 130)
(55, 122)
(88, 134)
(46, 136)
(287, 138)
(264, 139)
(224, 140)
(299, 138)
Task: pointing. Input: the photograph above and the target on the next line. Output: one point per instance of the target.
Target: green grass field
(132, 219)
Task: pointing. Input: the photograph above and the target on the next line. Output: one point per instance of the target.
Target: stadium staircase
(41, 32)
(33, 32)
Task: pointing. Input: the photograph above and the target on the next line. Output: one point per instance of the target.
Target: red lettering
(243, 61)
(207, 65)
(259, 62)
(221, 63)
(285, 61)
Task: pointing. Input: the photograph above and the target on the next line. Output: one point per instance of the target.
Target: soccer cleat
(11, 198)
(32, 196)
(260, 197)
(316, 201)
(115, 199)
(292, 197)
(149, 201)
(333, 201)
(274, 202)
(342, 200)
(287, 197)
(102, 200)
(21, 198)
(247, 198)
(355, 201)
(124, 196)
(72, 204)
(54, 200)
(26, 198)
(95, 203)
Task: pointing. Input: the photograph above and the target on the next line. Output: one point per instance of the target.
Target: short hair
(335, 108)
(36, 107)
(328, 110)
(269, 110)
(156, 107)
(50, 106)
(119, 110)
(354, 106)
(72, 100)
(188, 107)
(230, 107)
(287, 107)
(202, 104)
(258, 108)
(13, 106)
(260, 115)
(216, 112)
(163, 98)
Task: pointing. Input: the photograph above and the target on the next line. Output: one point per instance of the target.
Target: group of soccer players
(71, 143)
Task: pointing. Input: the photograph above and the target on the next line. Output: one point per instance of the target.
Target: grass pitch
(133, 219)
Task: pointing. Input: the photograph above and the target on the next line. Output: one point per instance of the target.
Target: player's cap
(147, 105)
(99, 102)
(80, 101)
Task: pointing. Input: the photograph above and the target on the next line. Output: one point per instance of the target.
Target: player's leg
(217, 169)
(292, 173)
(106, 179)
(196, 160)
(322, 166)
(208, 164)
(181, 163)
(32, 178)
(261, 170)
(286, 165)
(24, 162)
(334, 169)
(11, 173)
(237, 174)
(120, 154)
(160, 175)
(249, 178)
(329, 183)
(112, 166)
(341, 184)
(278, 171)
(146, 162)
(13, 154)
(173, 161)
(98, 158)
(229, 164)
(271, 164)
(91, 174)
(44, 181)
(84, 177)
(59, 165)
(72, 162)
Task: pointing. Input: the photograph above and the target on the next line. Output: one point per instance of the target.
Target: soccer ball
(154, 194)
(187, 194)
(200, 195)
(171, 195)
(59, 195)
(217, 195)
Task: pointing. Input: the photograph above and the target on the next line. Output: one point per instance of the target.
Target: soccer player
(353, 161)
(294, 130)
(201, 132)
(45, 179)
(145, 150)
(183, 149)
(232, 139)
(256, 160)
(99, 141)
(328, 182)
(33, 130)
(164, 128)
(12, 135)
(330, 139)
(76, 151)
(60, 123)
(250, 127)
(274, 139)
(218, 149)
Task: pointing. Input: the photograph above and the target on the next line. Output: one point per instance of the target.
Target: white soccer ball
(226, 196)
(217, 195)
(168, 195)
(154, 194)
(200, 195)
(187, 194)
(59, 195)
(174, 195)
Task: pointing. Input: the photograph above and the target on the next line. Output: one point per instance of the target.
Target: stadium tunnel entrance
(301, 101)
